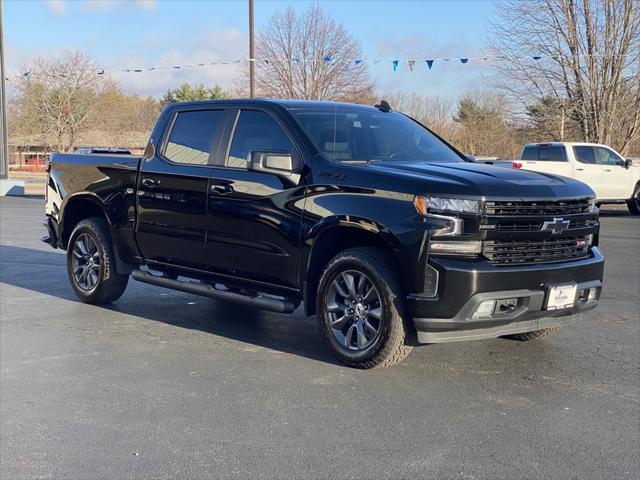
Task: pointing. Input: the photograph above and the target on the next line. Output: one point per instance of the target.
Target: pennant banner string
(395, 63)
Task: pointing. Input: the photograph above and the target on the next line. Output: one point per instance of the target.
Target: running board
(198, 288)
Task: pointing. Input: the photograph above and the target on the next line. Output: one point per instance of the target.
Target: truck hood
(473, 179)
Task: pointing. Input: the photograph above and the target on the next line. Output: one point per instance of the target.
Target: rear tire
(361, 313)
(91, 265)
(528, 336)
(633, 204)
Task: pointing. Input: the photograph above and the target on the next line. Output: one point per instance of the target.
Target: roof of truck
(560, 144)
(288, 104)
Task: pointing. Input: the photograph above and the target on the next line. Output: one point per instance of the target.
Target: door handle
(150, 182)
(579, 169)
(221, 189)
(607, 170)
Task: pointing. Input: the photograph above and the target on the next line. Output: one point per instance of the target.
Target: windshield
(360, 134)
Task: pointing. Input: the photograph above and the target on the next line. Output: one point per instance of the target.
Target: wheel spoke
(376, 313)
(371, 295)
(349, 335)
(362, 338)
(362, 282)
(339, 323)
(370, 328)
(335, 307)
(83, 275)
(339, 289)
(81, 246)
(93, 275)
(349, 281)
(77, 253)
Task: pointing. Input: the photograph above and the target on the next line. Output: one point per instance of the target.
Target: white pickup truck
(614, 179)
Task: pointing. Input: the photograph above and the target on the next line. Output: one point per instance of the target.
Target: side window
(605, 156)
(584, 154)
(256, 131)
(529, 153)
(552, 154)
(192, 135)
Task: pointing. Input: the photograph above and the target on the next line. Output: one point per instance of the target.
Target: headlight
(424, 205)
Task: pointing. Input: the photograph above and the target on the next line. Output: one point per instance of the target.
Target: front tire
(633, 204)
(361, 314)
(528, 336)
(90, 263)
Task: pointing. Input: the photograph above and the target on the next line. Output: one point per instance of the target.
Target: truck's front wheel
(90, 263)
(360, 305)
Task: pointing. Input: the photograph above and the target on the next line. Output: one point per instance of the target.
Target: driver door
(616, 181)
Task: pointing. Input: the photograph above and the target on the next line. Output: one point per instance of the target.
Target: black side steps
(280, 305)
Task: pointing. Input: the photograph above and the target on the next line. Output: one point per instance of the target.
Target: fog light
(466, 247)
(593, 293)
(485, 309)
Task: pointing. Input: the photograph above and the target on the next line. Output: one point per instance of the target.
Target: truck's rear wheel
(633, 204)
(527, 336)
(90, 263)
(360, 305)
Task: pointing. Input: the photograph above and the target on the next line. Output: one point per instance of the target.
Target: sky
(121, 34)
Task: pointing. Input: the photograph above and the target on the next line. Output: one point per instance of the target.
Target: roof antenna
(384, 106)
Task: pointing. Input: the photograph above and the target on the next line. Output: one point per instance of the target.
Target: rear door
(617, 184)
(255, 218)
(587, 169)
(173, 187)
(546, 159)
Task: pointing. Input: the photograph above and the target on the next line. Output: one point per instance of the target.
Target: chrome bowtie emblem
(555, 226)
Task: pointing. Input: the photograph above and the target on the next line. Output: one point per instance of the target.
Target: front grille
(527, 226)
(513, 230)
(535, 251)
(538, 208)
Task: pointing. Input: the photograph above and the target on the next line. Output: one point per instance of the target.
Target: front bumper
(464, 284)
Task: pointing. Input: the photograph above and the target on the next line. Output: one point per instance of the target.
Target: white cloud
(220, 46)
(102, 5)
(146, 4)
(57, 7)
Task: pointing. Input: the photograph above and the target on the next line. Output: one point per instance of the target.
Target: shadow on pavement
(44, 272)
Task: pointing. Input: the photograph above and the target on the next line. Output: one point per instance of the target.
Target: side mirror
(628, 163)
(470, 158)
(278, 163)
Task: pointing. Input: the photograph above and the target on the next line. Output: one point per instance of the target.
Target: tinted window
(529, 153)
(552, 154)
(607, 157)
(362, 134)
(192, 135)
(256, 131)
(584, 154)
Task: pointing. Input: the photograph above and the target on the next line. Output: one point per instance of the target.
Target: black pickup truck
(380, 227)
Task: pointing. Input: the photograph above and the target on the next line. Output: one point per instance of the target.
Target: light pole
(4, 152)
(252, 60)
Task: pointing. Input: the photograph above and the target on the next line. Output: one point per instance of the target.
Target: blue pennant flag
(464, 60)
(26, 74)
(327, 58)
(358, 61)
(429, 64)
(395, 65)
(536, 57)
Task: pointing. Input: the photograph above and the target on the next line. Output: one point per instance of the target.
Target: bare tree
(59, 95)
(585, 53)
(310, 56)
(434, 112)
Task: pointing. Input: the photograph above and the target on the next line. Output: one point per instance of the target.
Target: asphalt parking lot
(163, 384)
